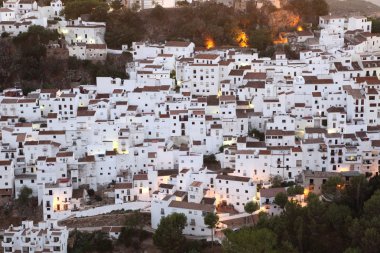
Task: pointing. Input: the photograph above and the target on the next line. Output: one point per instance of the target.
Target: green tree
(375, 25)
(75, 9)
(371, 240)
(211, 219)
(135, 220)
(168, 237)
(99, 13)
(257, 134)
(295, 190)
(332, 189)
(85, 242)
(281, 199)
(116, 5)
(250, 207)
(24, 195)
(320, 8)
(250, 240)
(372, 206)
(124, 27)
(276, 181)
(260, 39)
(356, 192)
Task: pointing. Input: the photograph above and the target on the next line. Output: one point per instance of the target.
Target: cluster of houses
(194, 131)
(83, 40)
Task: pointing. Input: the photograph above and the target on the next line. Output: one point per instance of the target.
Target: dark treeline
(196, 22)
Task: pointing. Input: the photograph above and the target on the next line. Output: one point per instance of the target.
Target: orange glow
(294, 20)
(241, 38)
(209, 43)
(300, 28)
(281, 39)
(306, 192)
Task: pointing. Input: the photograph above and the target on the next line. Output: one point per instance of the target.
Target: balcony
(367, 162)
(354, 158)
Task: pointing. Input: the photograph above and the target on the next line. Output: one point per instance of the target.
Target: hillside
(355, 7)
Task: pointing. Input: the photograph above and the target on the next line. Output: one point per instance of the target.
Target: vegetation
(349, 223)
(375, 25)
(250, 207)
(276, 181)
(257, 134)
(211, 219)
(195, 22)
(24, 60)
(331, 189)
(132, 237)
(295, 190)
(168, 237)
(209, 158)
(84, 242)
(74, 9)
(309, 10)
(281, 199)
(250, 241)
(24, 196)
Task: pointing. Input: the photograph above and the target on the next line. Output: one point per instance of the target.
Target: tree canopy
(281, 199)
(251, 207)
(97, 9)
(318, 227)
(168, 237)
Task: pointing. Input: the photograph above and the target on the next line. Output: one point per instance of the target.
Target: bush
(91, 192)
(5, 35)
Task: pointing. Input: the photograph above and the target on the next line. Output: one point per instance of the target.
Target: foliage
(90, 192)
(295, 190)
(135, 220)
(257, 134)
(124, 27)
(250, 207)
(116, 5)
(24, 195)
(372, 206)
(261, 39)
(4, 35)
(276, 181)
(375, 24)
(221, 148)
(132, 237)
(210, 220)
(74, 9)
(168, 237)
(209, 158)
(320, 226)
(249, 240)
(84, 242)
(309, 10)
(331, 189)
(281, 199)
